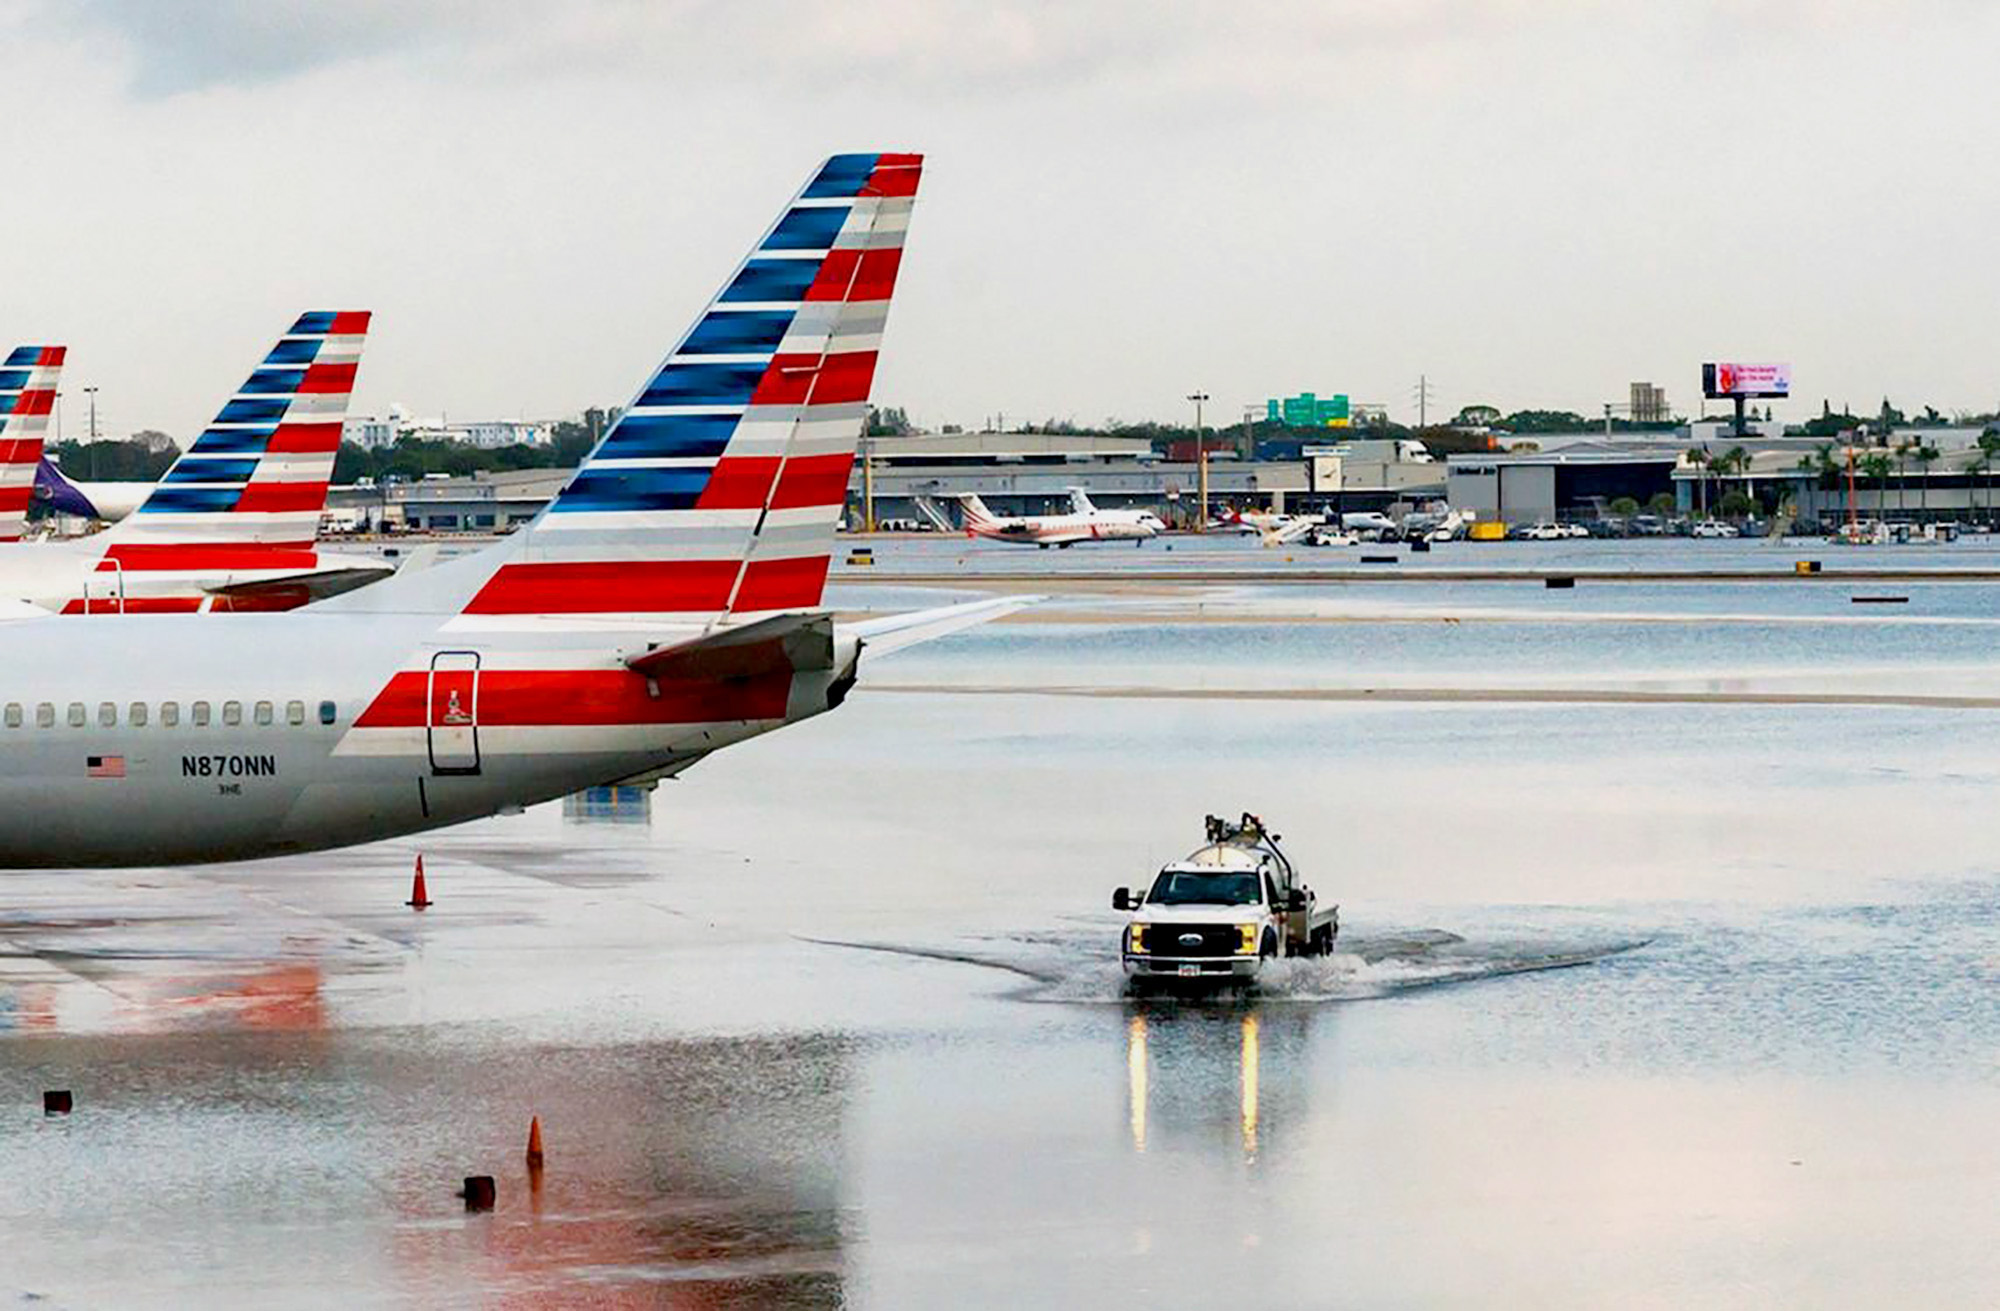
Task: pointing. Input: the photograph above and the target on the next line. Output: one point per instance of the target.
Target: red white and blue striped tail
(27, 398)
(255, 480)
(715, 494)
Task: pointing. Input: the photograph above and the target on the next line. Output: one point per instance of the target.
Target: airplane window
(13, 714)
(78, 715)
(136, 716)
(170, 713)
(295, 713)
(107, 714)
(264, 714)
(45, 715)
(327, 712)
(232, 713)
(198, 714)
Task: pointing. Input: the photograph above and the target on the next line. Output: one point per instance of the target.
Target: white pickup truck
(1219, 915)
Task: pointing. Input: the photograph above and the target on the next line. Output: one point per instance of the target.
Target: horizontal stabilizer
(894, 632)
(294, 589)
(779, 644)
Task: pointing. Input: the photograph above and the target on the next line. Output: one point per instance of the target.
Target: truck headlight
(1247, 940)
(1135, 939)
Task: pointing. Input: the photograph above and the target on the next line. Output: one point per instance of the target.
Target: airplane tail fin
(27, 398)
(715, 495)
(59, 494)
(1080, 502)
(256, 478)
(976, 513)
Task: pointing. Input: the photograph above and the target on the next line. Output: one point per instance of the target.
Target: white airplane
(1084, 523)
(231, 526)
(664, 605)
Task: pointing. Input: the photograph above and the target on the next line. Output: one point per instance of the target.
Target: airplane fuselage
(1066, 529)
(82, 576)
(174, 738)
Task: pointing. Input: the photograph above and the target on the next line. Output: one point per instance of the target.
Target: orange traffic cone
(419, 898)
(535, 1142)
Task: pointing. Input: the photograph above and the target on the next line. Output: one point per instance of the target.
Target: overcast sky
(1533, 201)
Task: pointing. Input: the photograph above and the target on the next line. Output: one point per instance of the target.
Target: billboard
(1721, 382)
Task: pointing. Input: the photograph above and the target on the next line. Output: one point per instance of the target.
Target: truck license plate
(1190, 971)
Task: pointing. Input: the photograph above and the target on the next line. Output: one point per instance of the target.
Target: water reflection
(1249, 1061)
(1194, 1060)
(684, 1173)
(609, 805)
(1135, 1073)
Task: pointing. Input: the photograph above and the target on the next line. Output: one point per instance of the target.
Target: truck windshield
(1181, 888)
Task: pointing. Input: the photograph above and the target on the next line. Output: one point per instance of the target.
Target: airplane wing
(894, 632)
(286, 592)
(782, 643)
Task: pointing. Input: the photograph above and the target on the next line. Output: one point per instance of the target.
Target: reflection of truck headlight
(1135, 939)
(1247, 944)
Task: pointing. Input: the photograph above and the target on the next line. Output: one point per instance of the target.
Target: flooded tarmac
(1635, 1003)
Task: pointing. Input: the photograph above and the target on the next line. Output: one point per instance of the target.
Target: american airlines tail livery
(664, 605)
(231, 526)
(27, 397)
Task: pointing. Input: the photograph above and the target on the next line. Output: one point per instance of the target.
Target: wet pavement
(1653, 1005)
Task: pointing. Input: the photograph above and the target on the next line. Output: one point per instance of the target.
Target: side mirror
(1296, 900)
(1121, 899)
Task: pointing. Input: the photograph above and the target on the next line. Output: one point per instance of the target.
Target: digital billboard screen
(1725, 381)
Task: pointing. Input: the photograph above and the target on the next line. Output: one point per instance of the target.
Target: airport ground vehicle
(1221, 914)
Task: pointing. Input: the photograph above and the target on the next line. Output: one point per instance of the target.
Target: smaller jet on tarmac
(1084, 523)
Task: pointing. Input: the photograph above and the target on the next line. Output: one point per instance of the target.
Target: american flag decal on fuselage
(27, 398)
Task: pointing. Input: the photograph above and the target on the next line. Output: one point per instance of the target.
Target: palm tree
(1739, 464)
(1903, 449)
(1876, 465)
(1823, 466)
(1925, 455)
(1989, 446)
(1699, 457)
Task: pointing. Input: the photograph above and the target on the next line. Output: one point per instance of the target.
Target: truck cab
(1219, 915)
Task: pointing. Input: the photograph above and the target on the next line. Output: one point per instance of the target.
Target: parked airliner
(664, 605)
(231, 526)
(1084, 523)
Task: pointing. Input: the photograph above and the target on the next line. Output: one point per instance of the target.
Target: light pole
(1201, 464)
(91, 392)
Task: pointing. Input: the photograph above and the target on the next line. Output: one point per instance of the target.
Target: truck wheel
(1269, 948)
